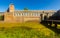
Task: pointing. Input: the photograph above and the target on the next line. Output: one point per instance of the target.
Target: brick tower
(8, 16)
(11, 7)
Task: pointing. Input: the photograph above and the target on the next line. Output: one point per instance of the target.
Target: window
(35, 14)
(38, 14)
(17, 14)
(25, 14)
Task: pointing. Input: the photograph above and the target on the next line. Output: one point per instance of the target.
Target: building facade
(12, 15)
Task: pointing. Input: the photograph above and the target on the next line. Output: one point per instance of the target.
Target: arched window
(25, 14)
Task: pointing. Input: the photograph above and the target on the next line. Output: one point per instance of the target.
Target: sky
(30, 4)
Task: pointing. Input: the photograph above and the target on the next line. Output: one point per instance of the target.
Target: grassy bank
(25, 30)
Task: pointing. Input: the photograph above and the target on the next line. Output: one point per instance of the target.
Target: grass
(25, 30)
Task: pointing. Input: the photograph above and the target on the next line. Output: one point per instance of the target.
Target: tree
(25, 8)
(1, 17)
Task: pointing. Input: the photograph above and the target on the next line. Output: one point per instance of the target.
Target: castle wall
(24, 19)
(31, 19)
(8, 17)
(25, 15)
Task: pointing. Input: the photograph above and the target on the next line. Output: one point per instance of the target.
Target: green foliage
(19, 32)
(26, 30)
(1, 17)
(25, 8)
